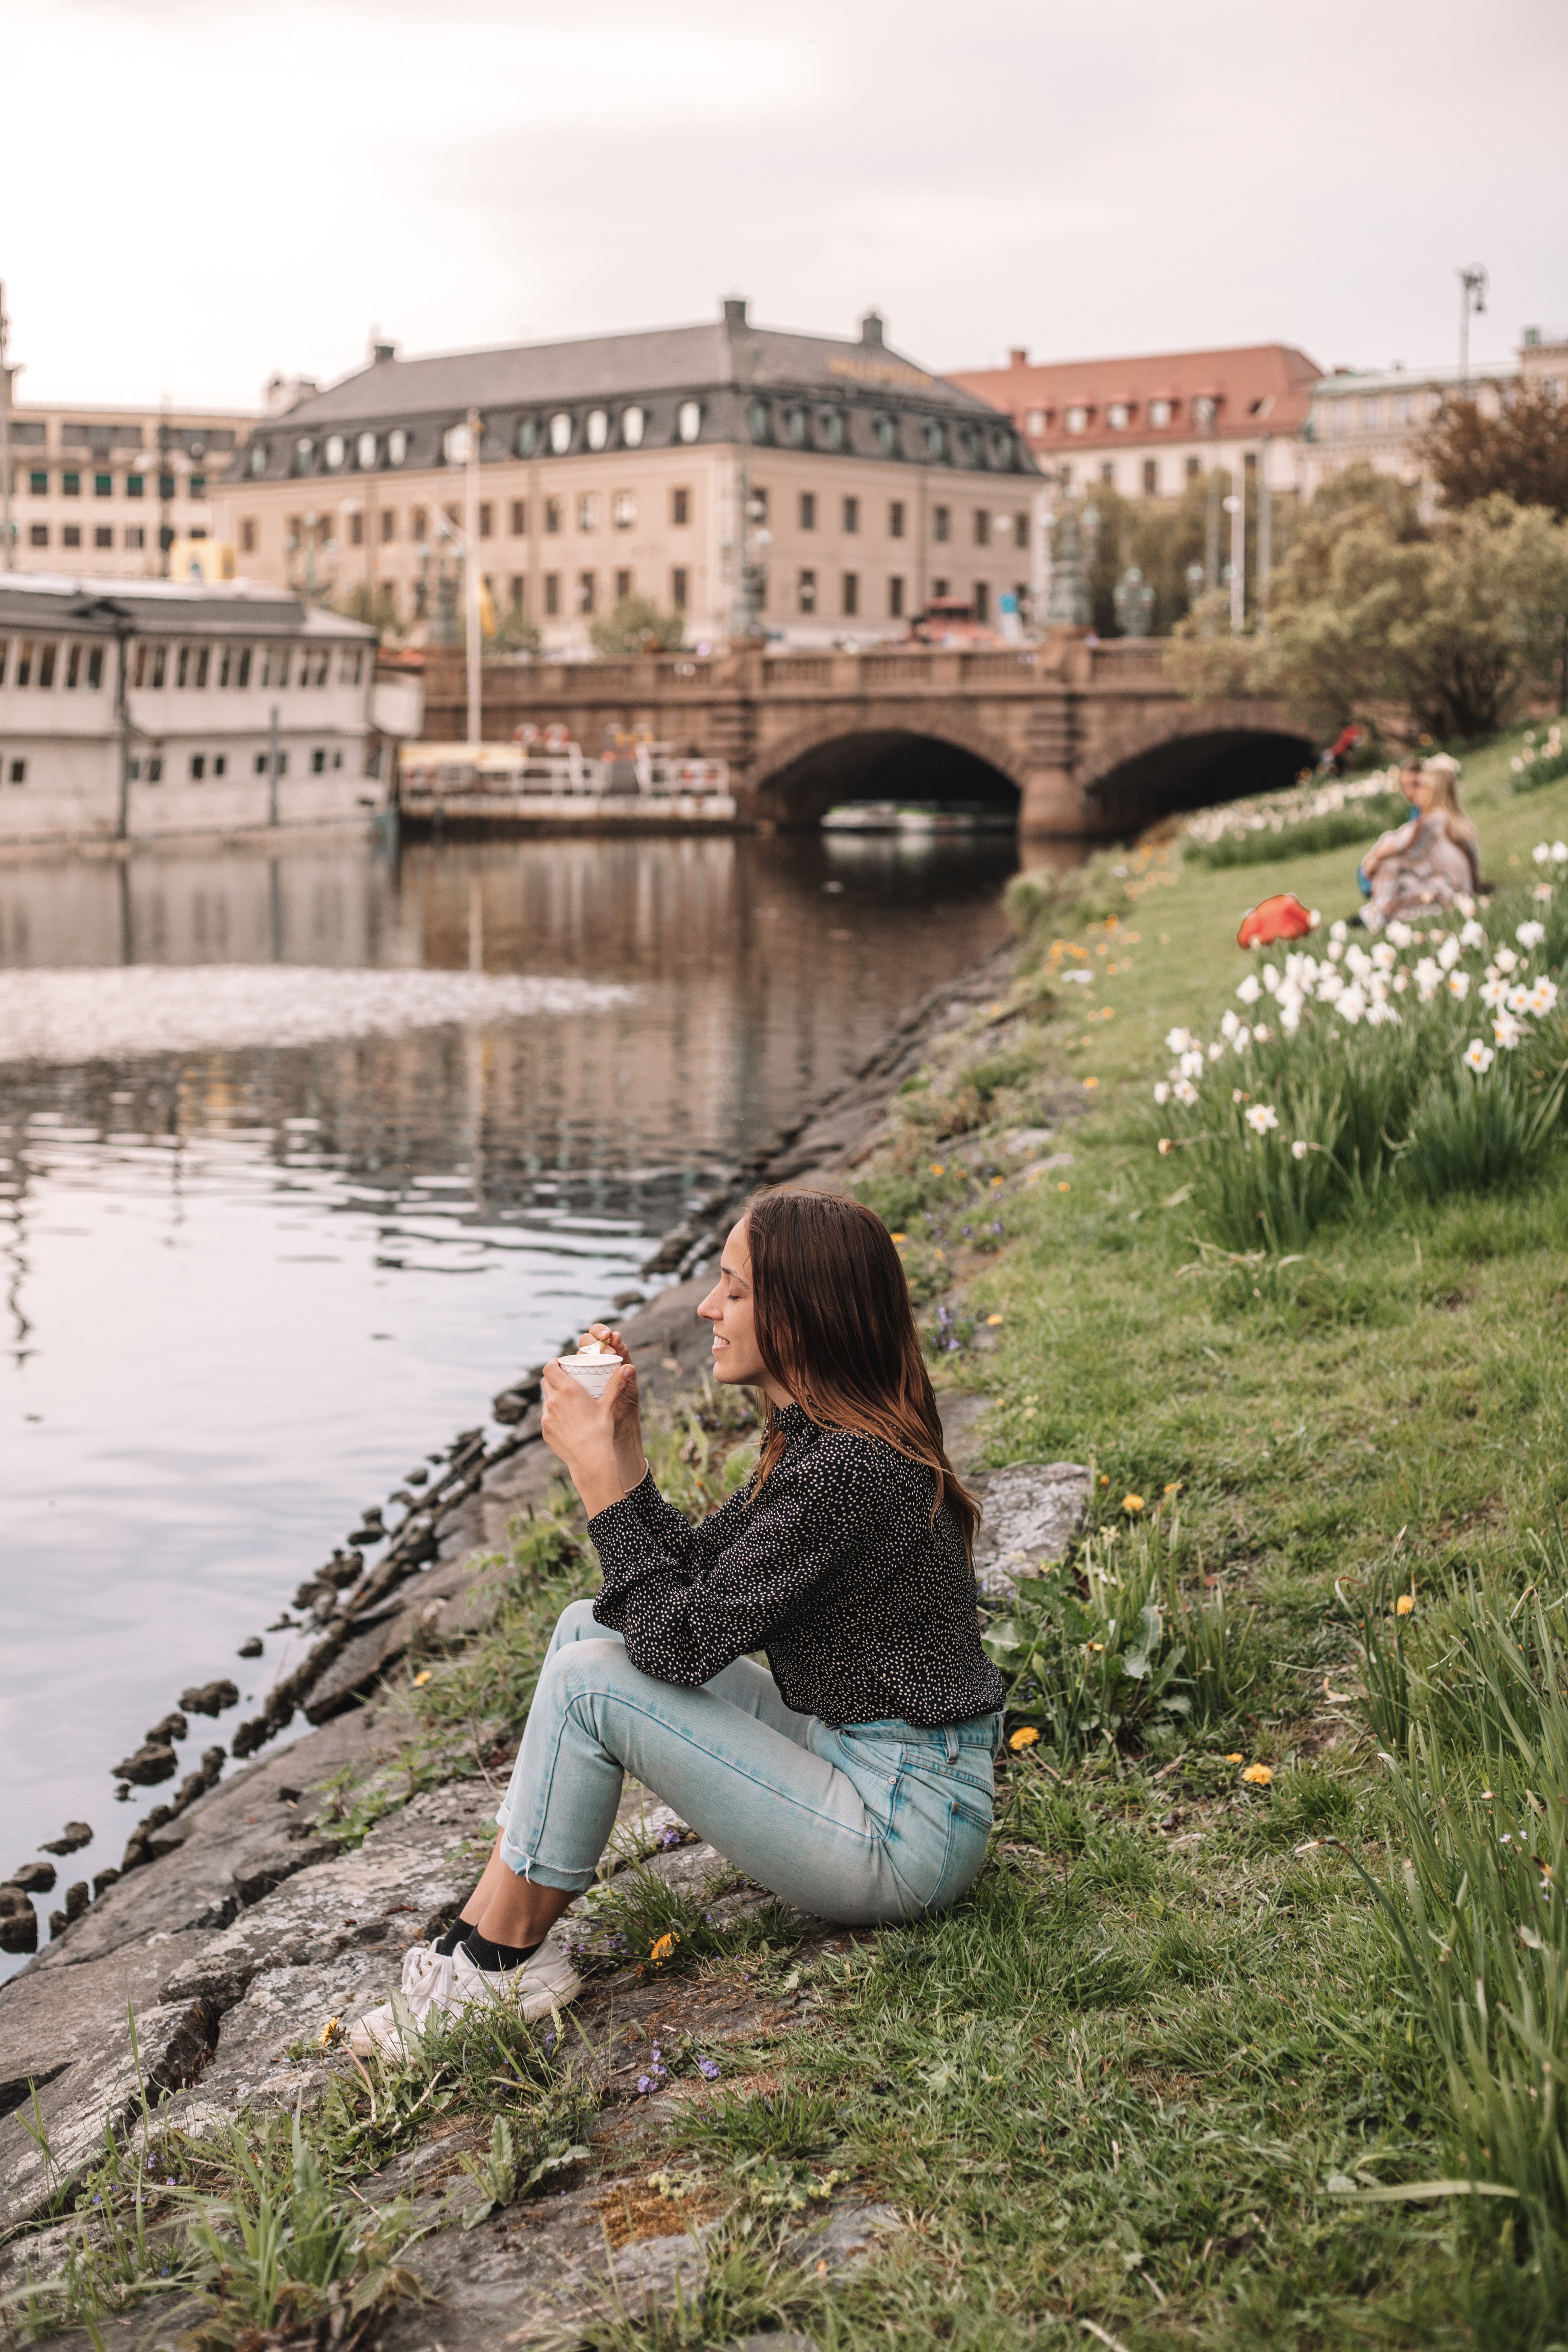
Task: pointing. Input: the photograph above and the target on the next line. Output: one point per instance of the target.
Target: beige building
(814, 490)
(111, 490)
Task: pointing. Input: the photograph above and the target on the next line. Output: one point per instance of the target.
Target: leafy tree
(514, 632)
(1523, 452)
(378, 606)
(637, 626)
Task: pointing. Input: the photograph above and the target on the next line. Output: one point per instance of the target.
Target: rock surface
(1032, 1511)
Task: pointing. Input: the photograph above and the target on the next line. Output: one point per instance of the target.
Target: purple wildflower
(710, 2068)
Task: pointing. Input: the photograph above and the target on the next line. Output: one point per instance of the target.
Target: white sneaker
(433, 1980)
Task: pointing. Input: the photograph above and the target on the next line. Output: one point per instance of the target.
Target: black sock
(447, 1944)
(493, 1958)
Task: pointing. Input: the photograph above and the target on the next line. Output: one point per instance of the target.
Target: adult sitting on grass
(855, 1777)
(1410, 771)
(1432, 862)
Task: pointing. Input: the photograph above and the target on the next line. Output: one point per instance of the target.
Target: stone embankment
(234, 1931)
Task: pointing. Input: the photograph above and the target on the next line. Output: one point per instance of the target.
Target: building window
(181, 665)
(1159, 412)
(388, 526)
(70, 534)
(552, 594)
(689, 420)
(598, 428)
(887, 433)
(24, 663)
(165, 486)
(135, 486)
(851, 595)
(487, 520)
(586, 580)
(588, 510)
(623, 510)
(103, 485)
(809, 509)
(1108, 473)
(680, 508)
(70, 486)
(318, 761)
(551, 515)
(103, 534)
(1076, 420)
(982, 600)
(1405, 407)
(197, 486)
(38, 536)
(1150, 477)
(1371, 416)
(397, 446)
(895, 599)
(1194, 467)
(561, 433)
(851, 515)
(95, 670)
(1035, 422)
(18, 772)
(677, 589)
(73, 665)
(632, 425)
(198, 766)
(220, 763)
(517, 589)
(204, 655)
(939, 589)
(350, 670)
(623, 586)
(242, 669)
(356, 530)
(757, 506)
(39, 485)
(1119, 416)
(941, 524)
(896, 520)
(805, 593)
(519, 517)
(420, 526)
(247, 534)
(981, 527)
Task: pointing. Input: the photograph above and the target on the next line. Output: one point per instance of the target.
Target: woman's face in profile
(729, 1307)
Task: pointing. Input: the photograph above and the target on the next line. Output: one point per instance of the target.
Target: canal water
(302, 1158)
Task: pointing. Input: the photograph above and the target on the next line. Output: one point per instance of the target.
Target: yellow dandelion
(1026, 1738)
(1405, 1604)
(1064, 1188)
(1091, 1082)
(993, 1320)
(421, 1679)
(1258, 1775)
(1173, 1486)
(1105, 1477)
(998, 1179)
(662, 1948)
(898, 1237)
(332, 2031)
(1131, 1502)
(1236, 1759)
(936, 1167)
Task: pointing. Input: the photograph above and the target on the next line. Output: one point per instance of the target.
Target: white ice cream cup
(591, 1373)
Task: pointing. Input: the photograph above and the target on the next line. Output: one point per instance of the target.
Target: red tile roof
(1259, 387)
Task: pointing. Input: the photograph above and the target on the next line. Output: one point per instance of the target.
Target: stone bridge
(1080, 737)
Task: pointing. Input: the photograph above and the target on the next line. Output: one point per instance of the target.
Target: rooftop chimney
(871, 326)
(735, 311)
(379, 352)
(1018, 356)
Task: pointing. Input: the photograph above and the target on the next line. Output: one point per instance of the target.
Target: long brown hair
(1441, 777)
(835, 1327)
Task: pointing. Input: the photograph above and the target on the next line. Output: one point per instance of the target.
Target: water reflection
(305, 1156)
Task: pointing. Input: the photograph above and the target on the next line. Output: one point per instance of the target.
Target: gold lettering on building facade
(878, 372)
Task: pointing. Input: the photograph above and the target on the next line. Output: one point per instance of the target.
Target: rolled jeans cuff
(537, 1872)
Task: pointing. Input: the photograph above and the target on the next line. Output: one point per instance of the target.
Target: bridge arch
(1193, 768)
(797, 781)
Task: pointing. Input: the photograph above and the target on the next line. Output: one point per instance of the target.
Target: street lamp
(1473, 285)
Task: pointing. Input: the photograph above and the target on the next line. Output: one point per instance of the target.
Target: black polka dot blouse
(864, 1608)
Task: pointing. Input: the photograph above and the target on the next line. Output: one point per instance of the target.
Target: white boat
(917, 818)
(552, 781)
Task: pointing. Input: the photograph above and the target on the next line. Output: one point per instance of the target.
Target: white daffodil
(1428, 978)
(1541, 853)
(1401, 981)
(1508, 1031)
(1541, 894)
(1271, 980)
(1263, 1034)
(1401, 935)
(1216, 1050)
(1559, 853)
(1449, 954)
(1262, 1117)
(1242, 1039)
(1479, 1057)
(1178, 1041)
(1339, 932)
(1162, 1094)
(1250, 989)
(1505, 960)
(1494, 992)
(1543, 997)
(1298, 1150)
(1184, 1091)
(1229, 1023)
(1381, 1014)
(1336, 950)
(1472, 936)
(1192, 1064)
(1351, 1005)
(1460, 985)
(1385, 956)
(1531, 934)
(1518, 1000)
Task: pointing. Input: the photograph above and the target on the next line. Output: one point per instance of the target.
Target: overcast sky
(194, 195)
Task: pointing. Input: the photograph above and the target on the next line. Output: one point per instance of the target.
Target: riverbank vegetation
(1253, 2030)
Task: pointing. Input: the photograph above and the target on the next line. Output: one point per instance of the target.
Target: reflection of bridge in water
(1080, 737)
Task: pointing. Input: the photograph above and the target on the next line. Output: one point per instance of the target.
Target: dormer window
(335, 451)
(1119, 416)
(1159, 412)
(833, 429)
(304, 452)
(397, 446)
(598, 428)
(525, 440)
(1034, 422)
(1076, 420)
(365, 452)
(561, 433)
(259, 458)
(689, 420)
(887, 436)
(797, 424)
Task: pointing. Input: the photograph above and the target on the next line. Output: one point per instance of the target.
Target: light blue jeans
(872, 1820)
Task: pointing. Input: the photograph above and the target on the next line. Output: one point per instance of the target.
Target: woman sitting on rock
(852, 1776)
(1430, 863)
